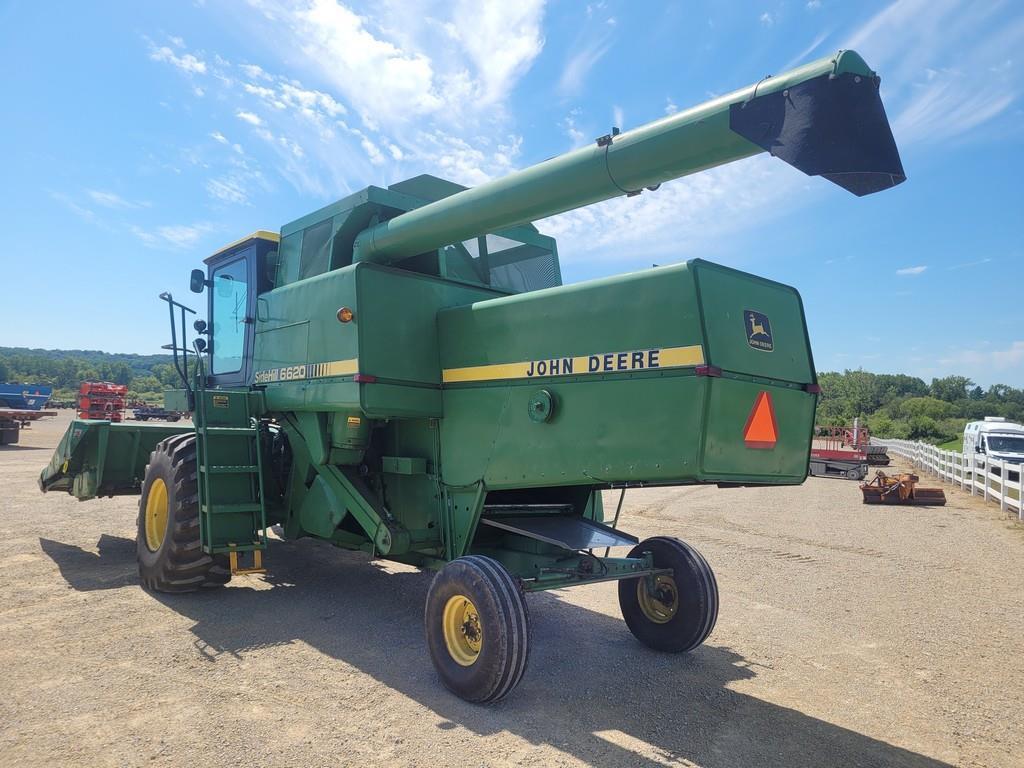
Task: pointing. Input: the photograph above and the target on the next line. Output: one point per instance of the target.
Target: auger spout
(825, 118)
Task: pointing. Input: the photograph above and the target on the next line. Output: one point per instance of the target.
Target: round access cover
(542, 406)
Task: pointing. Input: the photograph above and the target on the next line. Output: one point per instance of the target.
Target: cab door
(232, 319)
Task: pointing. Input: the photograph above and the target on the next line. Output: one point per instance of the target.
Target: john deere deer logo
(759, 330)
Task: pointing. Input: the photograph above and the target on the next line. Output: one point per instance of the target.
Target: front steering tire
(167, 545)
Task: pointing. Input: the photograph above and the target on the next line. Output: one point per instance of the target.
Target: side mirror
(197, 281)
(200, 344)
(200, 326)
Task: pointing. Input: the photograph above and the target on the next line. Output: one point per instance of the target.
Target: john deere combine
(403, 373)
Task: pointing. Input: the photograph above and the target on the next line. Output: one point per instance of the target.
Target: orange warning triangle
(761, 430)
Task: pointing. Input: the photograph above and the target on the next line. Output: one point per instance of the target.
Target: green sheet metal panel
(765, 334)
(653, 309)
(397, 321)
(310, 364)
(726, 455)
(632, 428)
(616, 362)
(295, 359)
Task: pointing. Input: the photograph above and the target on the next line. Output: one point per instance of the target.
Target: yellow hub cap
(463, 633)
(662, 606)
(156, 514)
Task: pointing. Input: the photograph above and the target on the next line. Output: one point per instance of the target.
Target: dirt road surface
(848, 636)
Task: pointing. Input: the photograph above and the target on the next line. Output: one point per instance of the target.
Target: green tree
(166, 374)
(950, 388)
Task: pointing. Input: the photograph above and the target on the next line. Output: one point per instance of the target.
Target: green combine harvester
(402, 373)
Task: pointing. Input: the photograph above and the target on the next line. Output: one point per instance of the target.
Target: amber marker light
(345, 315)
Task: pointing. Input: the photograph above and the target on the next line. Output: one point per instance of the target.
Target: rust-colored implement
(901, 489)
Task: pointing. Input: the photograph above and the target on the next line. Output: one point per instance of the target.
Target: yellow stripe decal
(308, 371)
(608, 362)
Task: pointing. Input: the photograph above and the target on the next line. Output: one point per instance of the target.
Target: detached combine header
(402, 373)
(901, 489)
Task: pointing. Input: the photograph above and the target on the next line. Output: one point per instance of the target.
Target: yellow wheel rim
(661, 608)
(156, 514)
(463, 633)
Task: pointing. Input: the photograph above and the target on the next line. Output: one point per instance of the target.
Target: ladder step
(228, 430)
(228, 509)
(231, 469)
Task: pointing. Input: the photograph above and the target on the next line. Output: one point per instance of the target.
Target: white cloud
(988, 358)
(813, 5)
(112, 200)
(178, 236)
(80, 211)
(568, 125)
(218, 137)
(463, 162)
(682, 218)
(385, 82)
(939, 84)
(974, 263)
(911, 270)
(254, 71)
(186, 63)
(581, 62)
(387, 78)
(501, 40)
(228, 190)
(806, 52)
(249, 117)
(259, 90)
(766, 19)
(670, 106)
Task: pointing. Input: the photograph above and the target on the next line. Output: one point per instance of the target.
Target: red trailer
(102, 400)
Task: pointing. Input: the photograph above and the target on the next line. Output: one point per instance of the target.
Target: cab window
(230, 303)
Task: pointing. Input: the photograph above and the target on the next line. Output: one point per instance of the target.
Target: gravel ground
(848, 636)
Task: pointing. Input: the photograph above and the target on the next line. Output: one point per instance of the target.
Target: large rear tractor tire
(681, 613)
(167, 544)
(478, 629)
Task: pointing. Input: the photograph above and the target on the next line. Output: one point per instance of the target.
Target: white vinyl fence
(993, 479)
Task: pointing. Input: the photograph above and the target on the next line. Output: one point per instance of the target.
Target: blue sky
(140, 137)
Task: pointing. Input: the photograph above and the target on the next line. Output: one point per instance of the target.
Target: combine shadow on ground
(591, 690)
(16, 447)
(111, 567)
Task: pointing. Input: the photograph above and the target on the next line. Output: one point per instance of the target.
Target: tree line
(146, 376)
(901, 406)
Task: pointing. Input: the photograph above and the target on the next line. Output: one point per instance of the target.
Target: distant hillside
(64, 369)
(141, 364)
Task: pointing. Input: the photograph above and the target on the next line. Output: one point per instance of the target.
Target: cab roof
(259, 234)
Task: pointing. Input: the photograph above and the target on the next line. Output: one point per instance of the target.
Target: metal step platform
(572, 533)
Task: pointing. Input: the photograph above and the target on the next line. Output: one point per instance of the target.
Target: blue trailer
(24, 397)
(19, 405)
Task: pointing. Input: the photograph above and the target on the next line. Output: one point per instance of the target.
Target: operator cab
(231, 305)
